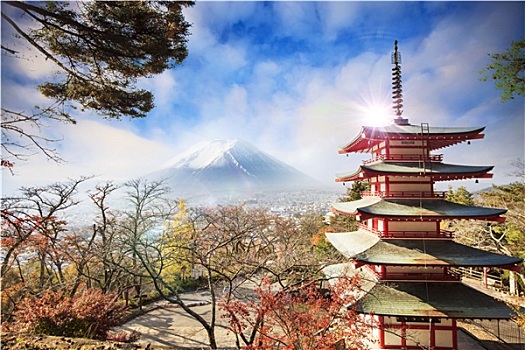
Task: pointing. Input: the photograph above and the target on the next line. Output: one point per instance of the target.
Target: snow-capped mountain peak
(231, 166)
(204, 154)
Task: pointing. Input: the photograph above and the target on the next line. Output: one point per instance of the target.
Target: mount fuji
(229, 168)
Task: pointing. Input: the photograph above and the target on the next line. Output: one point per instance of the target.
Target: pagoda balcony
(441, 234)
(406, 158)
(448, 276)
(404, 194)
(420, 277)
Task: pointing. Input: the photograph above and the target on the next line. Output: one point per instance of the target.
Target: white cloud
(336, 16)
(91, 148)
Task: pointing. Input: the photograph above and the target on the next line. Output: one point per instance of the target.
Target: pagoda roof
(431, 299)
(420, 299)
(367, 248)
(409, 208)
(438, 171)
(438, 137)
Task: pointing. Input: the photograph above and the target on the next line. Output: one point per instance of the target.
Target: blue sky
(297, 80)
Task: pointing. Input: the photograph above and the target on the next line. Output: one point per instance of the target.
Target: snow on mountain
(229, 167)
(202, 155)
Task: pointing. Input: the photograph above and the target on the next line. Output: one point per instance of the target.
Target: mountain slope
(229, 167)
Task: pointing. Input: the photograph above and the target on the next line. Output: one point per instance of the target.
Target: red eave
(369, 137)
(449, 177)
(515, 268)
(366, 174)
(359, 145)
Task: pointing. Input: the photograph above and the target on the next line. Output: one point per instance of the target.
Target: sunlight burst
(377, 114)
(375, 108)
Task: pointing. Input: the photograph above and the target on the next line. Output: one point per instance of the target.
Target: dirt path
(169, 325)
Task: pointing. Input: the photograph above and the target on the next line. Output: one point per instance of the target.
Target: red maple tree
(302, 318)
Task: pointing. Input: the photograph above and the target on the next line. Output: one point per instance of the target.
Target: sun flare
(377, 115)
(373, 107)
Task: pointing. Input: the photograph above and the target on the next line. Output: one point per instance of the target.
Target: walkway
(168, 325)
(510, 299)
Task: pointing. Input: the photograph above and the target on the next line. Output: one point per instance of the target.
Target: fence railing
(404, 194)
(441, 234)
(407, 157)
(487, 278)
(507, 332)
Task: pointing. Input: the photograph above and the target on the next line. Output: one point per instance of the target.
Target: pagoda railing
(441, 234)
(420, 276)
(478, 274)
(406, 158)
(415, 276)
(404, 194)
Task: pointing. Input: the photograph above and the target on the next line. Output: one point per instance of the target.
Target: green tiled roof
(416, 168)
(365, 247)
(451, 300)
(351, 243)
(353, 206)
(367, 281)
(375, 206)
(432, 168)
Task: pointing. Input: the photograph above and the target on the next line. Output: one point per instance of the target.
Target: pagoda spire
(397, 88)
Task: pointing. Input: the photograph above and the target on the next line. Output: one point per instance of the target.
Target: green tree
(460, 196)
(508, 71)
(354, 193)
(314, 227)
(505, 237)
(100, 49)
(343, 223)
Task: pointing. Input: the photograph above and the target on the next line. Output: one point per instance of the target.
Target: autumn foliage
(303, 318)
(87, 314)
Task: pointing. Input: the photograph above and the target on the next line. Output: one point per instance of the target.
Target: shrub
(89, 314)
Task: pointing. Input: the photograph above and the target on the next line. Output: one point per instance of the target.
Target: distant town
(286, 203)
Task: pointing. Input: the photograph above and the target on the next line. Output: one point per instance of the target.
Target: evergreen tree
(507, 70)
(100, 49)
(460, 196)
(354, 193)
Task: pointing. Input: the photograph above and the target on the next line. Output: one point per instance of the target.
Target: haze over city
(297, 80)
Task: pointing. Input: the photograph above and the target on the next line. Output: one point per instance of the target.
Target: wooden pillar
(512, 284)
(454, 334)
(381, 325)
(432, 334)
(403, 335)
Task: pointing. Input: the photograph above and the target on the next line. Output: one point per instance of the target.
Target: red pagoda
(407, 262)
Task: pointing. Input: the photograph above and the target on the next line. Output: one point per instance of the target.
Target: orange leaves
(302, 318)
(87, 314)
(6, 163)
